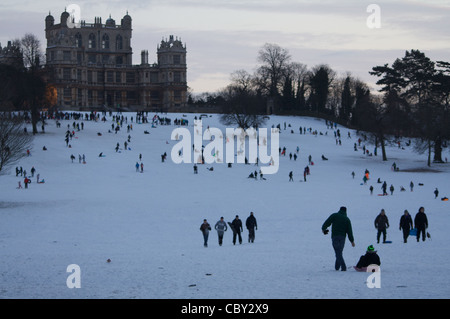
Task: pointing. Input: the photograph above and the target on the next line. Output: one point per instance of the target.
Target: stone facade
(11, 55)
(91, 67)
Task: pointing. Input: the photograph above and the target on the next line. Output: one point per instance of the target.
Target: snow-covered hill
(147, 223)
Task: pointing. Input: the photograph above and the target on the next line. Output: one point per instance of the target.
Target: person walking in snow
(205, 228)
(237, 229)
(137, 167)
(406, 224)
(26, 181)
(251, 225)
(384, 188)
(221, 227)
(411, 186)
(381, 224)
(436, 193)
(392, 189)
(291, 179)
(341, 227)
(421, 223)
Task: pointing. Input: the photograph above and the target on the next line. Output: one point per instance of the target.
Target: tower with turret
(172, 68)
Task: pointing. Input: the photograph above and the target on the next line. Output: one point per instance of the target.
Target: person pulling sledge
(341, 227)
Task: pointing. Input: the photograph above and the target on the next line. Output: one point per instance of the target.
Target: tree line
(412, 102)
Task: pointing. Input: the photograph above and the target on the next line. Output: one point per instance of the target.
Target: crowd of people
(341, 229)
(236, 227)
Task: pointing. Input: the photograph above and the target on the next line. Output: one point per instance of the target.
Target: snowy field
(147, 224)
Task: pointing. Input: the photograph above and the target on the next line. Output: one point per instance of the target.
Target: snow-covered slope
(147, 224)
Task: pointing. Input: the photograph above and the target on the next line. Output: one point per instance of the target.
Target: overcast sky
(225, 35)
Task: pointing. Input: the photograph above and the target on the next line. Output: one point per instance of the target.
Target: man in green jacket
(341, 227)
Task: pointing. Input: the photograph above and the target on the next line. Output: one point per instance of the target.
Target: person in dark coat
(341, 226)
(406, 225)
(381, 224)
(436, 193)
(237, 229)
(421, 223)
(370, 258)
(251, 224)
(384, 188)
(205, 228)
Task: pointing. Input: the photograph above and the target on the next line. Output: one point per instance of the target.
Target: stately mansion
(91, 67)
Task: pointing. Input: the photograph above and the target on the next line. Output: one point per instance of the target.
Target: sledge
(41, 182)
(413, 232)
(444, 199)
(382, 194)
(370, 268)
(387, 242)
(362, 269)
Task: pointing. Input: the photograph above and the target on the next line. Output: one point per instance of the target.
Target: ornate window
(105, 42)
(78, 40)
(119, 42)
(92, 41)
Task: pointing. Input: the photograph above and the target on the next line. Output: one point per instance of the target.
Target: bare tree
(14, 141)
(31, 50)
(243, 105)
(242, 80)
(274, 61)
